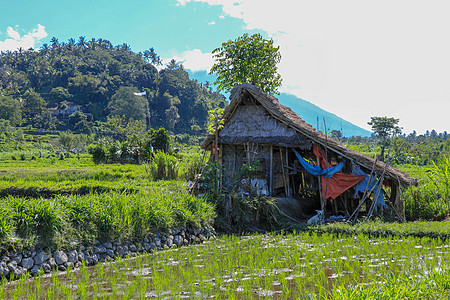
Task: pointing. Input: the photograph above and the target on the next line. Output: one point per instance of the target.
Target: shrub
(98, 153)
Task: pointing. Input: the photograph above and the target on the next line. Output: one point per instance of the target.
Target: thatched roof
(288, 117)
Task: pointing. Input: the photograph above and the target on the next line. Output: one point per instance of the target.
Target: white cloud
(194, 60)
(360, 59)
(212, 23)
(12, 33)
(26, 41)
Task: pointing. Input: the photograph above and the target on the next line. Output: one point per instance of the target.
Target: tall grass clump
(163, 166)
(430, 200)
(64, 219)
(439, 176)
(191, 164)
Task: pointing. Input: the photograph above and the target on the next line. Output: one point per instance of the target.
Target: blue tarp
(362, 185)
(317, 170)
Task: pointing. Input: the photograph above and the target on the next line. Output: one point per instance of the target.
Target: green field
(50, 203)
(279, 266)
(59, 201)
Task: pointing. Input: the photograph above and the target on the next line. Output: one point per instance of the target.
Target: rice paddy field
(70, 198)
(272, 266)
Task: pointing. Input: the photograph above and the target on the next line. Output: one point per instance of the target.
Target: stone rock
(5, 259)
(73, 256)
(202, 237)
(82, 248)
(33, 254)
(69, 264)
(133, 248)
(61, 268)
(12, 265)
(52, 263)
(169, 242)
(17, 258)
(18, 272)
(107, 245)
(152, 246)
(110, 253)
(158, 242)
(47, 267)
(185, 241)
(81, 256)
(35, 270)
(60, 257)
(120, 251)
(4, 270)
(77, 264)
(88, 258)
(178, 240)
(27, 263)
(94, 258)
(40, 258)
(99, 249)
(145, 240)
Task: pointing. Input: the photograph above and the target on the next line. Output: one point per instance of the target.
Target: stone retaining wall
(17, 265)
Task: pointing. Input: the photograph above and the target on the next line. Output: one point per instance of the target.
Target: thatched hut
(258, 128)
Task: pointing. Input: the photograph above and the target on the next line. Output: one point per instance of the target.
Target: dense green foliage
(249, 58)
(98, 77)
(425, 157)
(384, 128)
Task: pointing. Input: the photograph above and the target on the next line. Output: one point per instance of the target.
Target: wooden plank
(287, 175)
(282, 170)
(271, 171)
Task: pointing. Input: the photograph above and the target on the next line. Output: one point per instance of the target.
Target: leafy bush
(98, 153)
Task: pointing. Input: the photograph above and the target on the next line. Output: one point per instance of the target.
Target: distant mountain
(315, 116)
(309, 112)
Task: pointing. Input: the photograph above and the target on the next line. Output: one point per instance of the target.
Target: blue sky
(354, 58)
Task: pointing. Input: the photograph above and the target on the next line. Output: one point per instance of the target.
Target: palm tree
(81, 42)
(55, 42)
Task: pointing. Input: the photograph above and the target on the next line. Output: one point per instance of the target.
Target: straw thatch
(290, 119)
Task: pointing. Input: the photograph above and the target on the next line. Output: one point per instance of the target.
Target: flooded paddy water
(281, 266)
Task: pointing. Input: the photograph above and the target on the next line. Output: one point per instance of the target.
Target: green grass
(439, 230)
(285, 266)
(59, 221)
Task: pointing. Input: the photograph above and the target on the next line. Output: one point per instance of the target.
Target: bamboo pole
(271, 171)
(322, 201)
(287, 175)
(282, 169)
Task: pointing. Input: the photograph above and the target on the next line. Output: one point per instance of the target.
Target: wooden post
(287, 175)
(271, 171)
(234, 159)
(282, 169)
(322, 201)
(221, 162)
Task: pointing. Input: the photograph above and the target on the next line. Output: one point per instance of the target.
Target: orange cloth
(339, 182)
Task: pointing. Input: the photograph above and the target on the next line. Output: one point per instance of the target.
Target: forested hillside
(100, 80)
